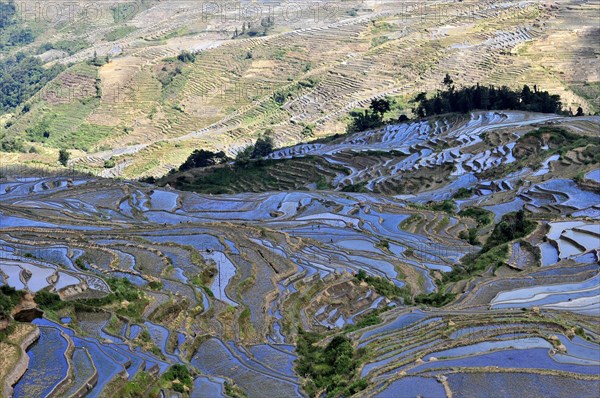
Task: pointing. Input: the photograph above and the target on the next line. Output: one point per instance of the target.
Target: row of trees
(466, 99)
(461, 100)
(266, 24)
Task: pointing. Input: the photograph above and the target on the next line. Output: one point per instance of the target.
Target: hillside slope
(147, 110)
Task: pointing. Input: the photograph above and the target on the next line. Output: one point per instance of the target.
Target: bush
(512, 226)
(9, 298)
(331, 368)
(181, 374)
(154, 285)
(384, 287)
(186, 57)
(203, 158)
(262, 148)
(122, 290)
(63, 157)
(436, 299)
(48, 301)
(482, 216)
(462, 193)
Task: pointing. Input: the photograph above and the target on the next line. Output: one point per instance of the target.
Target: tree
(364, 120)
(243, 157)
(186, 57)
(203, 158)
(263, 147)
(448, 81)
(526, 94)
(63, 157)
(380, 106)
(579, 112)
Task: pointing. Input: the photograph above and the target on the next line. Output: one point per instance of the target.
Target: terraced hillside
(480, 151)
(284, 66)
(484, 283)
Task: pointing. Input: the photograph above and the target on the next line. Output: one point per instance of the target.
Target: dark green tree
(263, 147)
(380, 106)
(63, 157)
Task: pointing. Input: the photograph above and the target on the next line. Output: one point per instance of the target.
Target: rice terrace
(272, 199)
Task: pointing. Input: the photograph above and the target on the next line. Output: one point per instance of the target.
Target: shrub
(330, 368)
(9, 298)
(181, 374)
(63, 157)
(48, 301)
(512, 226)
(384, 287)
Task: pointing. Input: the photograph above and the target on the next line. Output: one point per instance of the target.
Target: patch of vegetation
(383, 244)
(562, 141)
(9, 298)
(512, 226)
(203, 158)
(130, 300)
(63, 157)
(98, 61)
(463, 193)
(482, 216)
(21, 77)
(330, 369)
(366, 321)
(186, 57)
(12, 32)
(384, 287)
(179, 378)
(80, 263)
(472, 264)
(155, 285)
(143, 384)
(471, 236)
(358, 187)
(253, 30)
(69, 46)
(447, 206)
(495, 251)
(49, 301)
(220, 179)
(263, 147)
(372, 318)
(414, 218)
(233, 391)
(379, 40)
(371, 118)
(119, 33)
(435, 299)
(168, 72)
